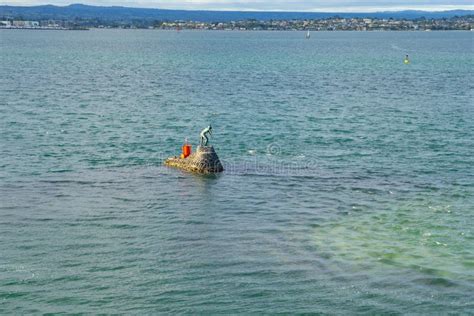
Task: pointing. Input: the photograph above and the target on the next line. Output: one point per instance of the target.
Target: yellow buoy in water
(406, 61)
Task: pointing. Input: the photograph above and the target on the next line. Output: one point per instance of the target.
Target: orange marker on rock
(186, 149)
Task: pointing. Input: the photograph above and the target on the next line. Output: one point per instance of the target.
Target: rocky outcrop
(204, 160)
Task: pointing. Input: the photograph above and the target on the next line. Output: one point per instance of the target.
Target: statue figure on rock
(205, 135)
(203, 161)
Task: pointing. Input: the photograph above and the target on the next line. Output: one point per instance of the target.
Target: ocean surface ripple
(349, 183)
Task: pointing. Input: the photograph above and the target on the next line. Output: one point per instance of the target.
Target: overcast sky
(271, 5)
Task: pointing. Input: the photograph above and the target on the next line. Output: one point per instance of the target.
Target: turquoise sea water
(349, 183)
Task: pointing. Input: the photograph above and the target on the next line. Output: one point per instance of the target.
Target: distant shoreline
(211, 30)
(86, 16)
(465, 23)
(43, 29)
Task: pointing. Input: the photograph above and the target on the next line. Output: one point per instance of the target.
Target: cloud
(273, 5)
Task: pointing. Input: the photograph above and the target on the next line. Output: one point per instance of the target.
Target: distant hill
(125, 14)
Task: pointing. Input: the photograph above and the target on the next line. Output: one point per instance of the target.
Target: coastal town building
(329, 24)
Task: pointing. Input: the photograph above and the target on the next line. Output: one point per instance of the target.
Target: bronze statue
(204, 135)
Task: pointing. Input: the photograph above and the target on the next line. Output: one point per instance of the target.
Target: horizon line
(441, 8)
